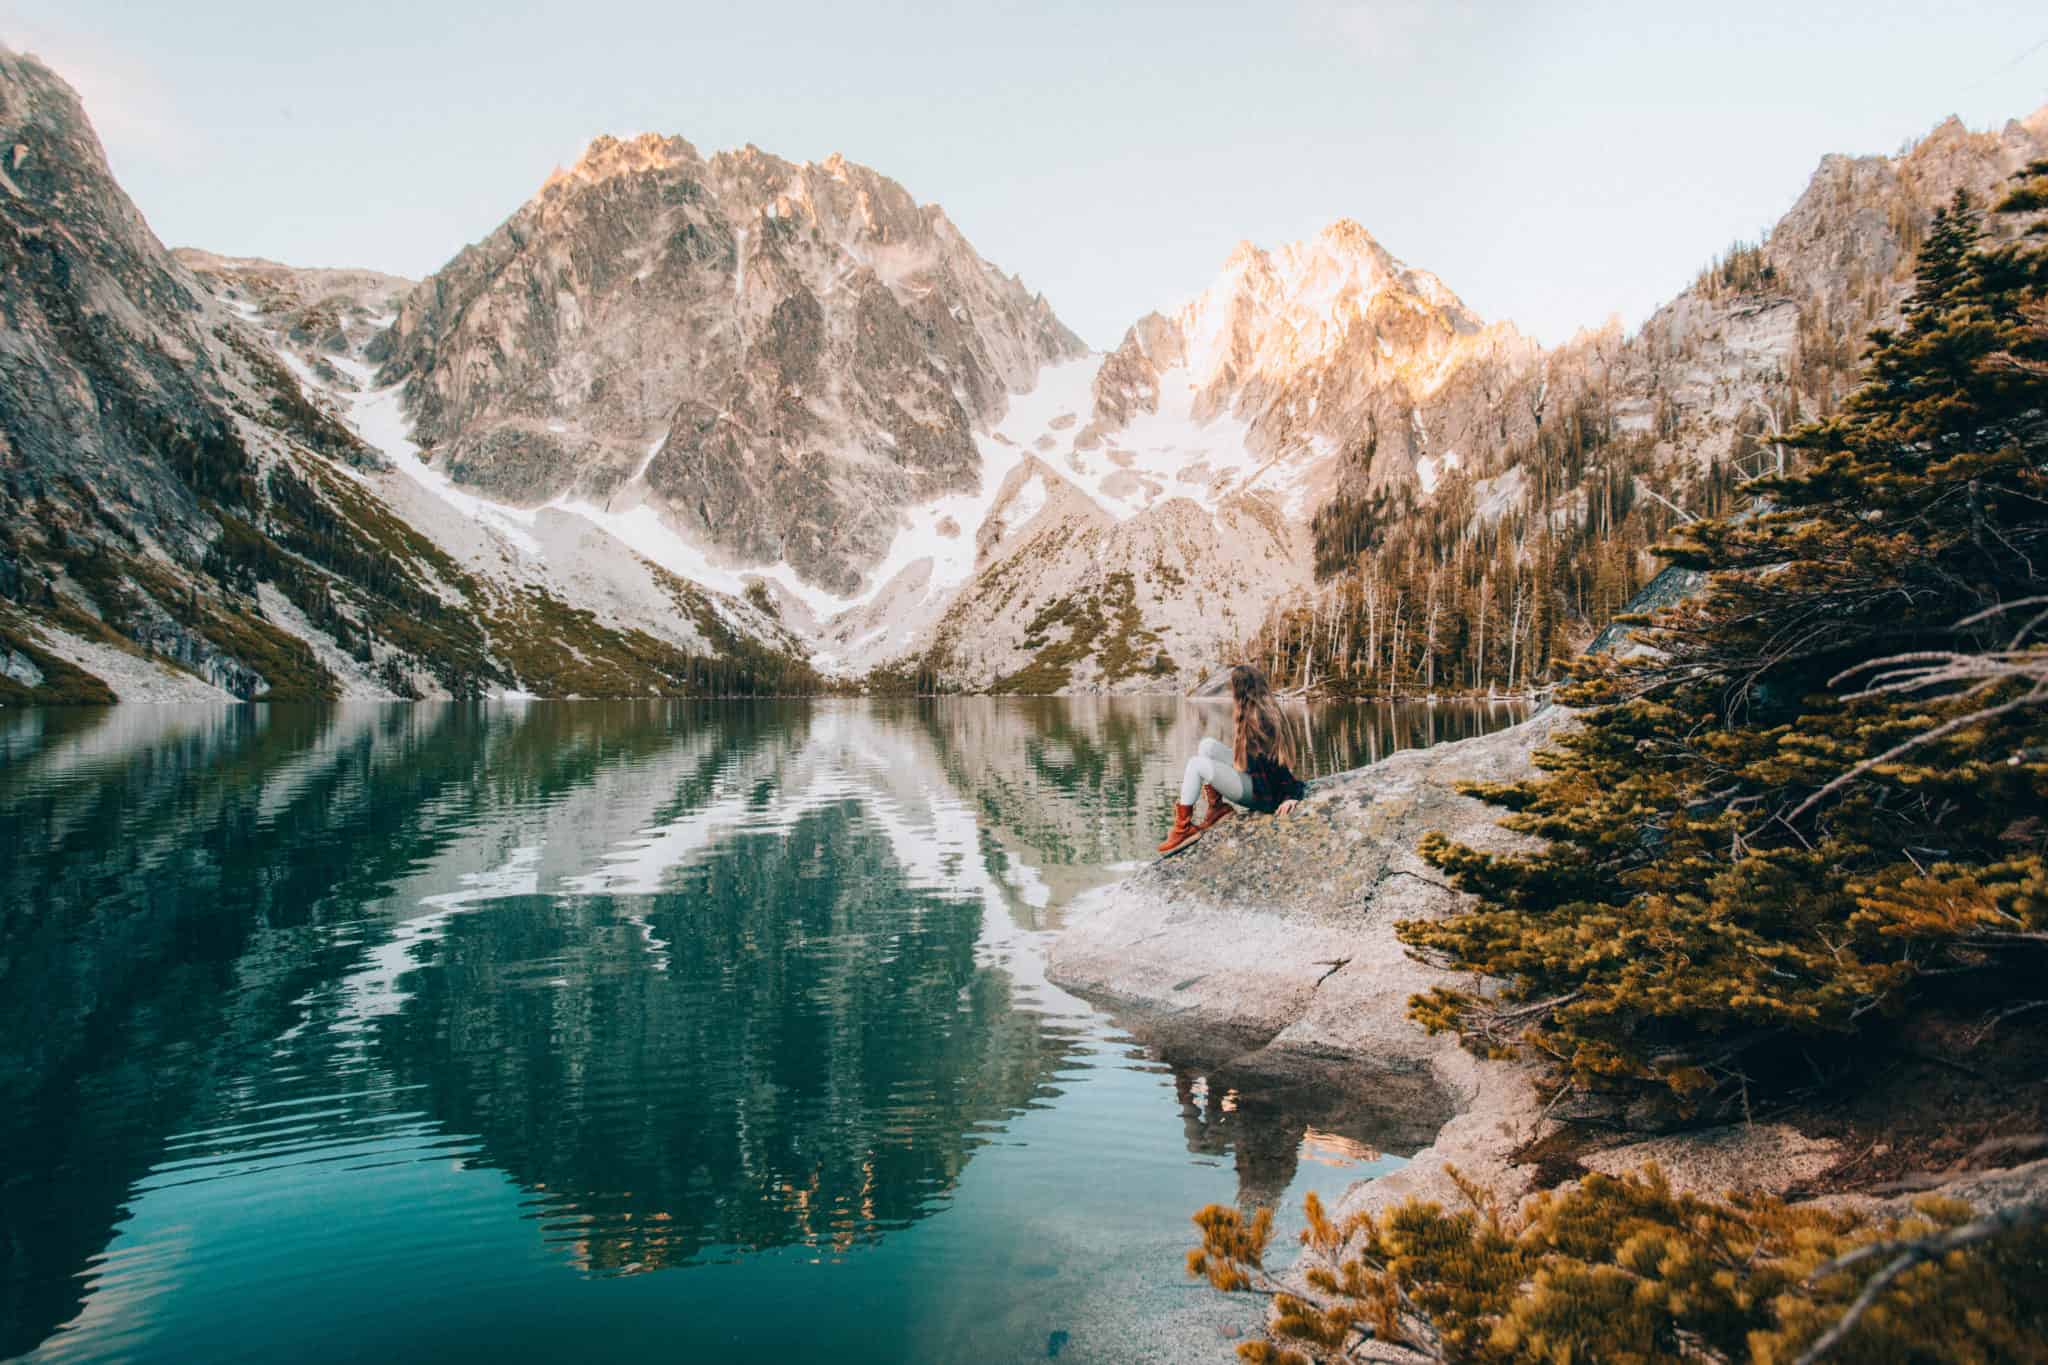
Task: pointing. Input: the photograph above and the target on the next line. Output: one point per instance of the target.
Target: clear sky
(1554, 163)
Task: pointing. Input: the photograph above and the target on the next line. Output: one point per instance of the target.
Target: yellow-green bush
(1625, 1269)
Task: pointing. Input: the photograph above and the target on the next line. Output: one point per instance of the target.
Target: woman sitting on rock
(1255, 774)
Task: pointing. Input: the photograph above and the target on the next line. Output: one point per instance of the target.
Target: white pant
(1212, 765)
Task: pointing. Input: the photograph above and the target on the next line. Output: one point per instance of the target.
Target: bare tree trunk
(1429, 642)
(1514, 637)
(1372, 630)
(1479, 654)
(1394, 649)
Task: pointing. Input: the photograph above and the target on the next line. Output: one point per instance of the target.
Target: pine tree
(1627, 1269)
(1805, 799)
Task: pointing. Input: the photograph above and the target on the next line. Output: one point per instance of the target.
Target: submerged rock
(1770, 1158)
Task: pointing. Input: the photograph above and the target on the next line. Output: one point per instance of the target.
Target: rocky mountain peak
(607, 156)
(1281, 309)
(1348, 235)
(1314, 348)
(773, 357)
(50, 157)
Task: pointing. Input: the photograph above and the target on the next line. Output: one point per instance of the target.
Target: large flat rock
(1281, 927)
(1279, 932)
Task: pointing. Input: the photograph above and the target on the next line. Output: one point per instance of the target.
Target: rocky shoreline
(1279, 933)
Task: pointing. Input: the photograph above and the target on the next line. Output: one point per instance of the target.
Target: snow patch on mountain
(378, 416)
(1430, 470)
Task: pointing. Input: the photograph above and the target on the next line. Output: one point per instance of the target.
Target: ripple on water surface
(438, 1029)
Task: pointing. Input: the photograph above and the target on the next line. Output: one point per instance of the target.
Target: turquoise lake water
(613, 1030)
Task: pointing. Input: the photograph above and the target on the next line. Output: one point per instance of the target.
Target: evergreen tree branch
(2034, 698)
(1905, 1255)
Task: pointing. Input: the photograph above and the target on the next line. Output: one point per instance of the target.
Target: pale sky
(1555, 164)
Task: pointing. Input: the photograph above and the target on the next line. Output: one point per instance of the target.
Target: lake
(607, 1030)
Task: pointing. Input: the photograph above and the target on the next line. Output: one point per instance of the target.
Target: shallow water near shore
(598, 1030)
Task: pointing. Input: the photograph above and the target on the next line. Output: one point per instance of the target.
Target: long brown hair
(1261, 728)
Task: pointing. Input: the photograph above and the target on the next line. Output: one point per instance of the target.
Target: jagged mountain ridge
(1330, 377)
(1186, 466)
(1202, 446)
(775, 356)
(1839, 263)
(188, 510)
(1536, 545)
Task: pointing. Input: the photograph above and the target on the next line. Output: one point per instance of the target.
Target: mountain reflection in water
(413, 1027)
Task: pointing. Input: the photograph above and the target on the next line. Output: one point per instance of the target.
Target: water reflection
(1267, 1119)
(698, 981)
(813, 1063)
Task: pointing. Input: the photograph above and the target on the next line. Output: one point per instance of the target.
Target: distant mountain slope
(1535, 543)
(315, 314)
(189, 510)
(774, 357)
(1782, 324)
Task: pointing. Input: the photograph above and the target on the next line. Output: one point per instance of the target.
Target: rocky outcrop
(1279, 931)
(1283, 925)
(1271, 944)
(19, 668)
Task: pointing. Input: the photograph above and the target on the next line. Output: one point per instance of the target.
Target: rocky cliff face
(201, 496)
(774, 357)
(1142, 511)
(114, 387)
(135, 408)
(1773, 333)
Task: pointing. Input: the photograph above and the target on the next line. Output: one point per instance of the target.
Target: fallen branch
(1948, 727)
(2004, 1015)
(1905, 1255)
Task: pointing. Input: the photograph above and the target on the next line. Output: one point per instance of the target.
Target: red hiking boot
(1219, 809)
(1183, 831)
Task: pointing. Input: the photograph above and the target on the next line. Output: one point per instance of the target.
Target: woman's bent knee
(1214, 748)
